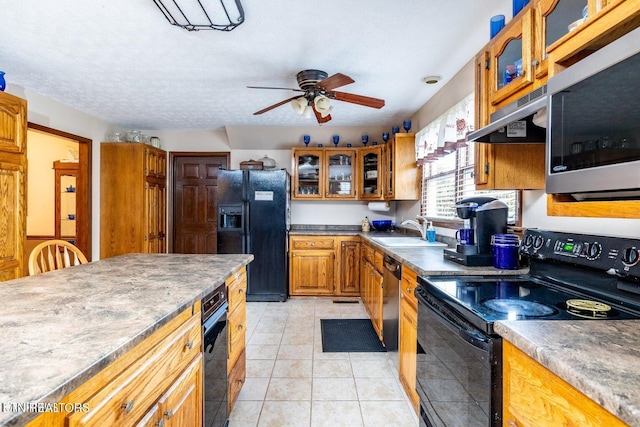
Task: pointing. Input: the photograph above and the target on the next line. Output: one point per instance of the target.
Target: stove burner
(519, 307)
(588, 309)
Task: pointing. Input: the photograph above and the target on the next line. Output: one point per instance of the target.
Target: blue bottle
(3, 83)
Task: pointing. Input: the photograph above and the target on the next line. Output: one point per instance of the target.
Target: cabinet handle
(240, 326)
(313, 243)
(535, 63)
(160, 423)
(169, 414)
(409, 289)
(241, 290)
(511, 423)
(128, 406)
(189, 345)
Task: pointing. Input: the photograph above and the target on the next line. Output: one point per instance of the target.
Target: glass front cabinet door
(340, 176)
(511, 69)
(371, 167)
(308, 180)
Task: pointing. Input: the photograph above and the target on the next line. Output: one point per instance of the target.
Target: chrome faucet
(422, 228)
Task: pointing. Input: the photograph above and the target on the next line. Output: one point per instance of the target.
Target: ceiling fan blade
(271, 107)
(332, 82)
(367, 101)
(319, 117)
(269, 87)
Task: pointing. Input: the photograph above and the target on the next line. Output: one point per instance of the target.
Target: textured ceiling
(121, 61)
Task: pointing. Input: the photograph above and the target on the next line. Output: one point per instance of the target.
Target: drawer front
(129, 396)
(368, 253)
(236, 322)
(236, 379)
(378, 261)
(408, 285)
(312, 242)
(237, 289)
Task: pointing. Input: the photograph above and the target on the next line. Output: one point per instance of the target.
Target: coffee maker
(486, 216)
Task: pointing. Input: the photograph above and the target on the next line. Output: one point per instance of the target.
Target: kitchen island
(59, 329)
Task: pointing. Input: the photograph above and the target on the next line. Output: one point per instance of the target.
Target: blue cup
(496, 24)
(518, 5)
(395, 129)
(464, 236)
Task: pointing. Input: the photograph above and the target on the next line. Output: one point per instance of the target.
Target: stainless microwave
(593, 124)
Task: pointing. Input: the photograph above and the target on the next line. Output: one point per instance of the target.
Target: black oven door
(459, 372)
(215, 367)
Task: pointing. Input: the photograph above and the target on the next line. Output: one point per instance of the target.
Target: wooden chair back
(54, 255)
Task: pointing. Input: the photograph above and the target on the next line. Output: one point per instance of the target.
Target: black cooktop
(515, 298)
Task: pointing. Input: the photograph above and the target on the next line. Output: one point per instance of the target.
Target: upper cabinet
(378, 172)
(371, 173)
(510, 55)
(13, 170)
(401, 174)
(324, 173)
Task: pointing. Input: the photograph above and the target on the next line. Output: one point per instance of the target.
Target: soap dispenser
(431, 233)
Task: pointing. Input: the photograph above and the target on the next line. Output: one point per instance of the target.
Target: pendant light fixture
(195, 15)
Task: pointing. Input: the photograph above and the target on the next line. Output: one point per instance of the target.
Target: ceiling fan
(318, 90)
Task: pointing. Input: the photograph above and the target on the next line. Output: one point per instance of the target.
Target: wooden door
(377, 297)
(349, 267)
(311, 272)
(13, 162)
(407, 348)
(195, 222)
(182, 403)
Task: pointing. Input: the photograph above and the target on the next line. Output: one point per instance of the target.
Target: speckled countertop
(599, 358)
(60, 328)
(423, 260)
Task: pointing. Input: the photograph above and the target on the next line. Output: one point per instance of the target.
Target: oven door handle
(474, 338)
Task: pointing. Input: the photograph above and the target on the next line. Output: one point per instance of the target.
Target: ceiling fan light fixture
(323, 105)
(307, 112)
(299, 105)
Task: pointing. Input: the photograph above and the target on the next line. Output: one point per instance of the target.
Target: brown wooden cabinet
(401, 177)
(408, 335)
(509, 166)
(324, 173)
(160, 379)
(132, 199)
(371, 286)
(371, 171)
(348, 270)
(535, 397)
(311, 265)
(66, 216)
(13, 192)
(321, 265)
(237, 326)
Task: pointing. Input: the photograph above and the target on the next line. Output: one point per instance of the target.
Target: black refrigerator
(253, 218)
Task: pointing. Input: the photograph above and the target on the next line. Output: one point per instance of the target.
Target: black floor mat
(349, 335)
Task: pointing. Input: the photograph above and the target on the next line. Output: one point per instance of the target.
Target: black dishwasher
(391, 302)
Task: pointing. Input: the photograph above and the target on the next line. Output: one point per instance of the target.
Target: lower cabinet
(371, 286)
(158, 382)
(536, 397)
(408, 335)
(236, 327)
(324, 265)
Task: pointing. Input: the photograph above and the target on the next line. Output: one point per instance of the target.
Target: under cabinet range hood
(524, 121)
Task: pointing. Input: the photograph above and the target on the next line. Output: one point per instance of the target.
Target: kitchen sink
(394, 242)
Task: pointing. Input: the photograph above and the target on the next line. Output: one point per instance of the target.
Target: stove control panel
(617, 255)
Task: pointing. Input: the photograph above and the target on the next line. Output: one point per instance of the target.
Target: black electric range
(459, 360)
(572, 276)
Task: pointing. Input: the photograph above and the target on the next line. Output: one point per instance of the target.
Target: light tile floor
(291, 382)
